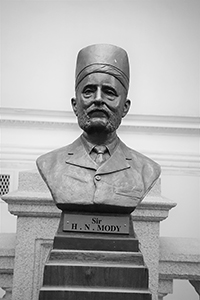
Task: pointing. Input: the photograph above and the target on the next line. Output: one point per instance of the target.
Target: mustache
(98, 110)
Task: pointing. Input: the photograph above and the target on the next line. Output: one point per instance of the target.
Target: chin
(97, 125)
(96, 128)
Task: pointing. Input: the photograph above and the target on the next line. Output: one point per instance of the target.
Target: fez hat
(103, 58)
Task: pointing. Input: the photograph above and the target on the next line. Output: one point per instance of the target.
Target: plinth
(95, 257)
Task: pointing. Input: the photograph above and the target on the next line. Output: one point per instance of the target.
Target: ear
(74, 105)
(127, 105)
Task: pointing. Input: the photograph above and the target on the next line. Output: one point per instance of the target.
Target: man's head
(102, 81)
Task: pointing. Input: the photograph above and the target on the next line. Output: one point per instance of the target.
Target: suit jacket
(75, 180)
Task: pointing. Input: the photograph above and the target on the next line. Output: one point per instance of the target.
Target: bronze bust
(83, 176)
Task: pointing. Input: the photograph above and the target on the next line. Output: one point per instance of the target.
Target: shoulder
(148, 168)
(49, 160)
(51, 156)
(136, 156)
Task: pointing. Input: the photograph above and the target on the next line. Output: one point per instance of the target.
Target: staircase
(89, 266)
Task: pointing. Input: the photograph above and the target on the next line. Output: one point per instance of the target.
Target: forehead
(101, 79)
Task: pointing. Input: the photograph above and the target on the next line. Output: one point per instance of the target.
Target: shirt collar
(111, 146)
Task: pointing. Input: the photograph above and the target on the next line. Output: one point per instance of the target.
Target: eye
(110, 92)
(88, 91)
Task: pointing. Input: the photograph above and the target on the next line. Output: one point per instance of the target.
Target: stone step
(96, 293)
(95, 242)
(135, 258)
(85, 274)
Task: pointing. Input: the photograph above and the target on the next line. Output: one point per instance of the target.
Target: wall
(40, 41)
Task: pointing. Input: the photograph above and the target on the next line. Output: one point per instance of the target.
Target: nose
(98, 95)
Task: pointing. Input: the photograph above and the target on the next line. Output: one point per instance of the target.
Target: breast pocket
(128, 191)
(128, 184)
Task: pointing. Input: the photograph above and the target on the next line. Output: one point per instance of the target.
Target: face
(100, 103)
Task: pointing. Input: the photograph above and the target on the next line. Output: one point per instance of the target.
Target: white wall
(40, 40)
(39, 44)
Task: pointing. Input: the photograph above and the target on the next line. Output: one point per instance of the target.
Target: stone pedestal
(95, 266)
(37, 222)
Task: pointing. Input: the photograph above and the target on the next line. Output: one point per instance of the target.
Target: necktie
(100, 150)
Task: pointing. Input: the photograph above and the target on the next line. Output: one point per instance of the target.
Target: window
(4, 184)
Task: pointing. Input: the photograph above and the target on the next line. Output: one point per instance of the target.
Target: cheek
(82, 104)
(115, 105)
(86, 102)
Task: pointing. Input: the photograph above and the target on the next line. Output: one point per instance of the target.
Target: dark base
(96, 294)
(95, 208)
(91, 266)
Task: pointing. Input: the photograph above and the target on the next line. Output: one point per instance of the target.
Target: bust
(81, 177)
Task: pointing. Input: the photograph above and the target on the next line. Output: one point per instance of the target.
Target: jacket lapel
(118, 161)
(78, 156)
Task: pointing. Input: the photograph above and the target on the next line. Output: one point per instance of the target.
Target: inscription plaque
(96, 223)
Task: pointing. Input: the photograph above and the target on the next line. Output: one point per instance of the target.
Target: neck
(100, 138)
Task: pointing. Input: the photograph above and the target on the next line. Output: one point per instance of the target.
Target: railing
(179, 259)
(7, 254)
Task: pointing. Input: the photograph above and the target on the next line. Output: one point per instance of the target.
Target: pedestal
(37, 222)
(88, 264)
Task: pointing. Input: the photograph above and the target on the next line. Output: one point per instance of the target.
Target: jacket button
(98, 178)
